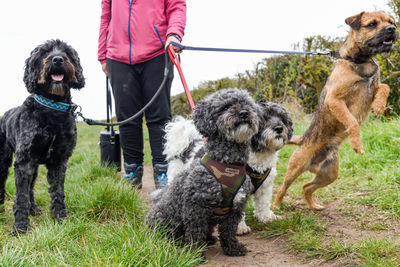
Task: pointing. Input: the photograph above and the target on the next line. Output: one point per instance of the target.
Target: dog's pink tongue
(58, 77)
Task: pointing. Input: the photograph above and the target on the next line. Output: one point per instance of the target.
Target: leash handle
(175, 59)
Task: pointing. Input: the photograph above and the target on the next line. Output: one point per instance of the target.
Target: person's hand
(170, 39)
(104, 68)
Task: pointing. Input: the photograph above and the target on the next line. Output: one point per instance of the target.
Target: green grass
(364, 203)
(105, 226)
(106, 222)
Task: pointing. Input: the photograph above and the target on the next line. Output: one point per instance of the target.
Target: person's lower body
(133, 87)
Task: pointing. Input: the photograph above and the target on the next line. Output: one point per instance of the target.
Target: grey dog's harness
(231, 178)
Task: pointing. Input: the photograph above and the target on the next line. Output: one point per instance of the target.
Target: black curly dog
(42, 130)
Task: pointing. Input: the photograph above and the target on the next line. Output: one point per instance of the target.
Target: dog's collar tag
(257, 179)
(59, 106)
(231, 178)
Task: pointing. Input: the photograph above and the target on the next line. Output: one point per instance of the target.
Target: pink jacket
(127, 28)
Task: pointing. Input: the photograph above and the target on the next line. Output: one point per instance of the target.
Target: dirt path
(263, 252)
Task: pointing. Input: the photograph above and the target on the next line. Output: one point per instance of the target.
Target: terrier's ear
(354, 21)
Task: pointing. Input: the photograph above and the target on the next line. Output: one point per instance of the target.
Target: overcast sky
(250, 24)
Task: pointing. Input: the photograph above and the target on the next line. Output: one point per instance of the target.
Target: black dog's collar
(59, 106)
(336, 54)
(356, 60)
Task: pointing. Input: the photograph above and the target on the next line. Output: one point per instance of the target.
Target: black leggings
(133, 87)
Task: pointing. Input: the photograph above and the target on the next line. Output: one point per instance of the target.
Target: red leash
(174, 58)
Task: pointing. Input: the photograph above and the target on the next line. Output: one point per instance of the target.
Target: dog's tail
(181, 141)
(180, 134)
(295, 140)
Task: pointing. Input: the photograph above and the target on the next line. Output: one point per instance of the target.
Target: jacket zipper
(129, 31)
(108, 38)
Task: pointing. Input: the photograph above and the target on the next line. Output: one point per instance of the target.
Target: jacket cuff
(176, 36)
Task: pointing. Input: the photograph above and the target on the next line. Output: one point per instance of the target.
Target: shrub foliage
(294, 77)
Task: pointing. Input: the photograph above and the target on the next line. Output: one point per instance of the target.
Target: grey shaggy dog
(275, 130)
(228, 119)
(38, 134)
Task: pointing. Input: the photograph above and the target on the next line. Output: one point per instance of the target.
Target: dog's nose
(278, 129)
(390, 29)
(243, 114)
(57, 60)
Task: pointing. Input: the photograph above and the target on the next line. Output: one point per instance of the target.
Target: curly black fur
(40, 135)
(228, 119)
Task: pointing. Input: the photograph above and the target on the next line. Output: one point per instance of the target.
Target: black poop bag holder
(110, 148)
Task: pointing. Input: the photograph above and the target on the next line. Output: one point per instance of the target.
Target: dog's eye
(372, 25)
(225, 108)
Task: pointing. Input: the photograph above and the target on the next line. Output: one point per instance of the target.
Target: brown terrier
(351, 90)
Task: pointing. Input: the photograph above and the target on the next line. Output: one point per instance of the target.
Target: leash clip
(79, 112)
(334, 53)
(73, 107)
(321, 53)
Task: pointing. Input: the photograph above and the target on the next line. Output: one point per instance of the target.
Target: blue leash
(213, 49)
(333, 53)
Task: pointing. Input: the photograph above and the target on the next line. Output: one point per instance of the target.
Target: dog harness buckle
(231, 178)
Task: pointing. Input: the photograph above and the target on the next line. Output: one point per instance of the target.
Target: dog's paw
(34, 210)
(316, 207)
(378, 108)
(235, 249)
(19, 229)
(356, 145)
(275, 206)
(211, 240)
(60, 214)
(359, 150)
(243, 228)
(267, 217)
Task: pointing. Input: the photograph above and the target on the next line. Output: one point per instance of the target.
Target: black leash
(94, 122)
(332, 53)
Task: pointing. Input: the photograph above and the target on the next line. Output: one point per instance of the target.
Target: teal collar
(59, 106)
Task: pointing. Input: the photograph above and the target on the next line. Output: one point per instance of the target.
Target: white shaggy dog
(272, 136)
(184, 143)
(262, 162)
